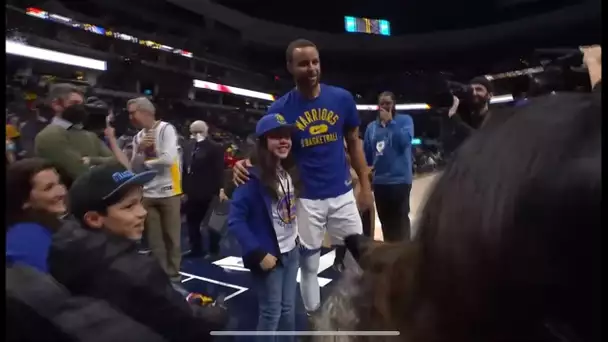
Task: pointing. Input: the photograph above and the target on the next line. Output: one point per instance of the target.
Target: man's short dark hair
(63, 90)
(297, 44)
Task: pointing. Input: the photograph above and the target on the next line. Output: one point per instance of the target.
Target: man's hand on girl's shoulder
(240, 175)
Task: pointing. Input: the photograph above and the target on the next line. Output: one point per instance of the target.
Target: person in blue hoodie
(263, 220)
(388, 150)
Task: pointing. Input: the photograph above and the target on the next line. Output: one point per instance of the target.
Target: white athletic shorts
(338, 215)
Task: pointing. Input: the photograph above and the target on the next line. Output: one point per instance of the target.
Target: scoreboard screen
(366, 25)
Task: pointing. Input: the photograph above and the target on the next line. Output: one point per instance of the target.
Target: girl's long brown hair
(266, 162)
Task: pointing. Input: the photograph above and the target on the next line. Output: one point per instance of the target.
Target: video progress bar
(305, 333)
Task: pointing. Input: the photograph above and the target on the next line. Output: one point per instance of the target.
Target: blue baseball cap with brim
(270, 122)
(103, 186)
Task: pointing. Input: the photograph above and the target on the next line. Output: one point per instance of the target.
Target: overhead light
(412, 106)
(502, 99)
(423, 106)
(24, 50)
(232, 90)
(401, 106)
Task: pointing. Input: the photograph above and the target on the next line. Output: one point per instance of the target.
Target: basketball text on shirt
(316, 122)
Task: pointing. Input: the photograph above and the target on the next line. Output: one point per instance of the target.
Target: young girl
(262, 217)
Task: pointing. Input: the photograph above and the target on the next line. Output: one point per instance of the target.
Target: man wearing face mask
(203, 173)
(65, 143)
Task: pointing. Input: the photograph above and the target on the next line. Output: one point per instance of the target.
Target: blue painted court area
(227, 276)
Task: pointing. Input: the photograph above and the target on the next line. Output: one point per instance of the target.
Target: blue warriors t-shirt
(318, 145)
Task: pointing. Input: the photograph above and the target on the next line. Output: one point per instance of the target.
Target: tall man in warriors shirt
(323, 116)
(155, 147)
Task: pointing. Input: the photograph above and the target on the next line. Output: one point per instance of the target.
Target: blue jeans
(277, 297)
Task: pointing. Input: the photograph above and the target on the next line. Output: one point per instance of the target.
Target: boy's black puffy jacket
(40, 309)
(100, 265)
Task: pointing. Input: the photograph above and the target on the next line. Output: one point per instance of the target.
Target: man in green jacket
(66, 144)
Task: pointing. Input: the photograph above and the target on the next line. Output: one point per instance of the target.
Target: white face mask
(198, 137)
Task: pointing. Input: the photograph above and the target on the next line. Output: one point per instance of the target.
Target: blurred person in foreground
(155, 147)
(324, 116)
(97, 257)
(509, 242)
(203, 176)
(38, 308)
(388, 151)
(65, 142)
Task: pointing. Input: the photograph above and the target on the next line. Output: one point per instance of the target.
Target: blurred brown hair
(509, 246)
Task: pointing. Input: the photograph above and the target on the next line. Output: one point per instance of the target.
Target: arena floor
(228, 277)
(417, 197)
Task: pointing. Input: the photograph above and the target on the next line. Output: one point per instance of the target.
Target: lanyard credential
(283, 176)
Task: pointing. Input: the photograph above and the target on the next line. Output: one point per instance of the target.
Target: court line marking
(235, 294)
(187, 279)
(236, 264)
(240, 289)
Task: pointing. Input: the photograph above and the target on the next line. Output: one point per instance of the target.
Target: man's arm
(56, 148)
(357, 157)
(367, 145)
(461, 125)
(354, 146)
(115, 149)
(104, 155)
(137, 160)
(454, 120)
(403, 131)
(186, 155)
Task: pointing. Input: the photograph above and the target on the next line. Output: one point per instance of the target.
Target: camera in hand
(563, 71)
(97, 118)
(443, 96)
(97, 112)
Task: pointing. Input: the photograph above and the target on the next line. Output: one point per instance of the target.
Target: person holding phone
(388, 150)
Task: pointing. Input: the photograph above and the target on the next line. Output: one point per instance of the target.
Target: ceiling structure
(406, 17)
